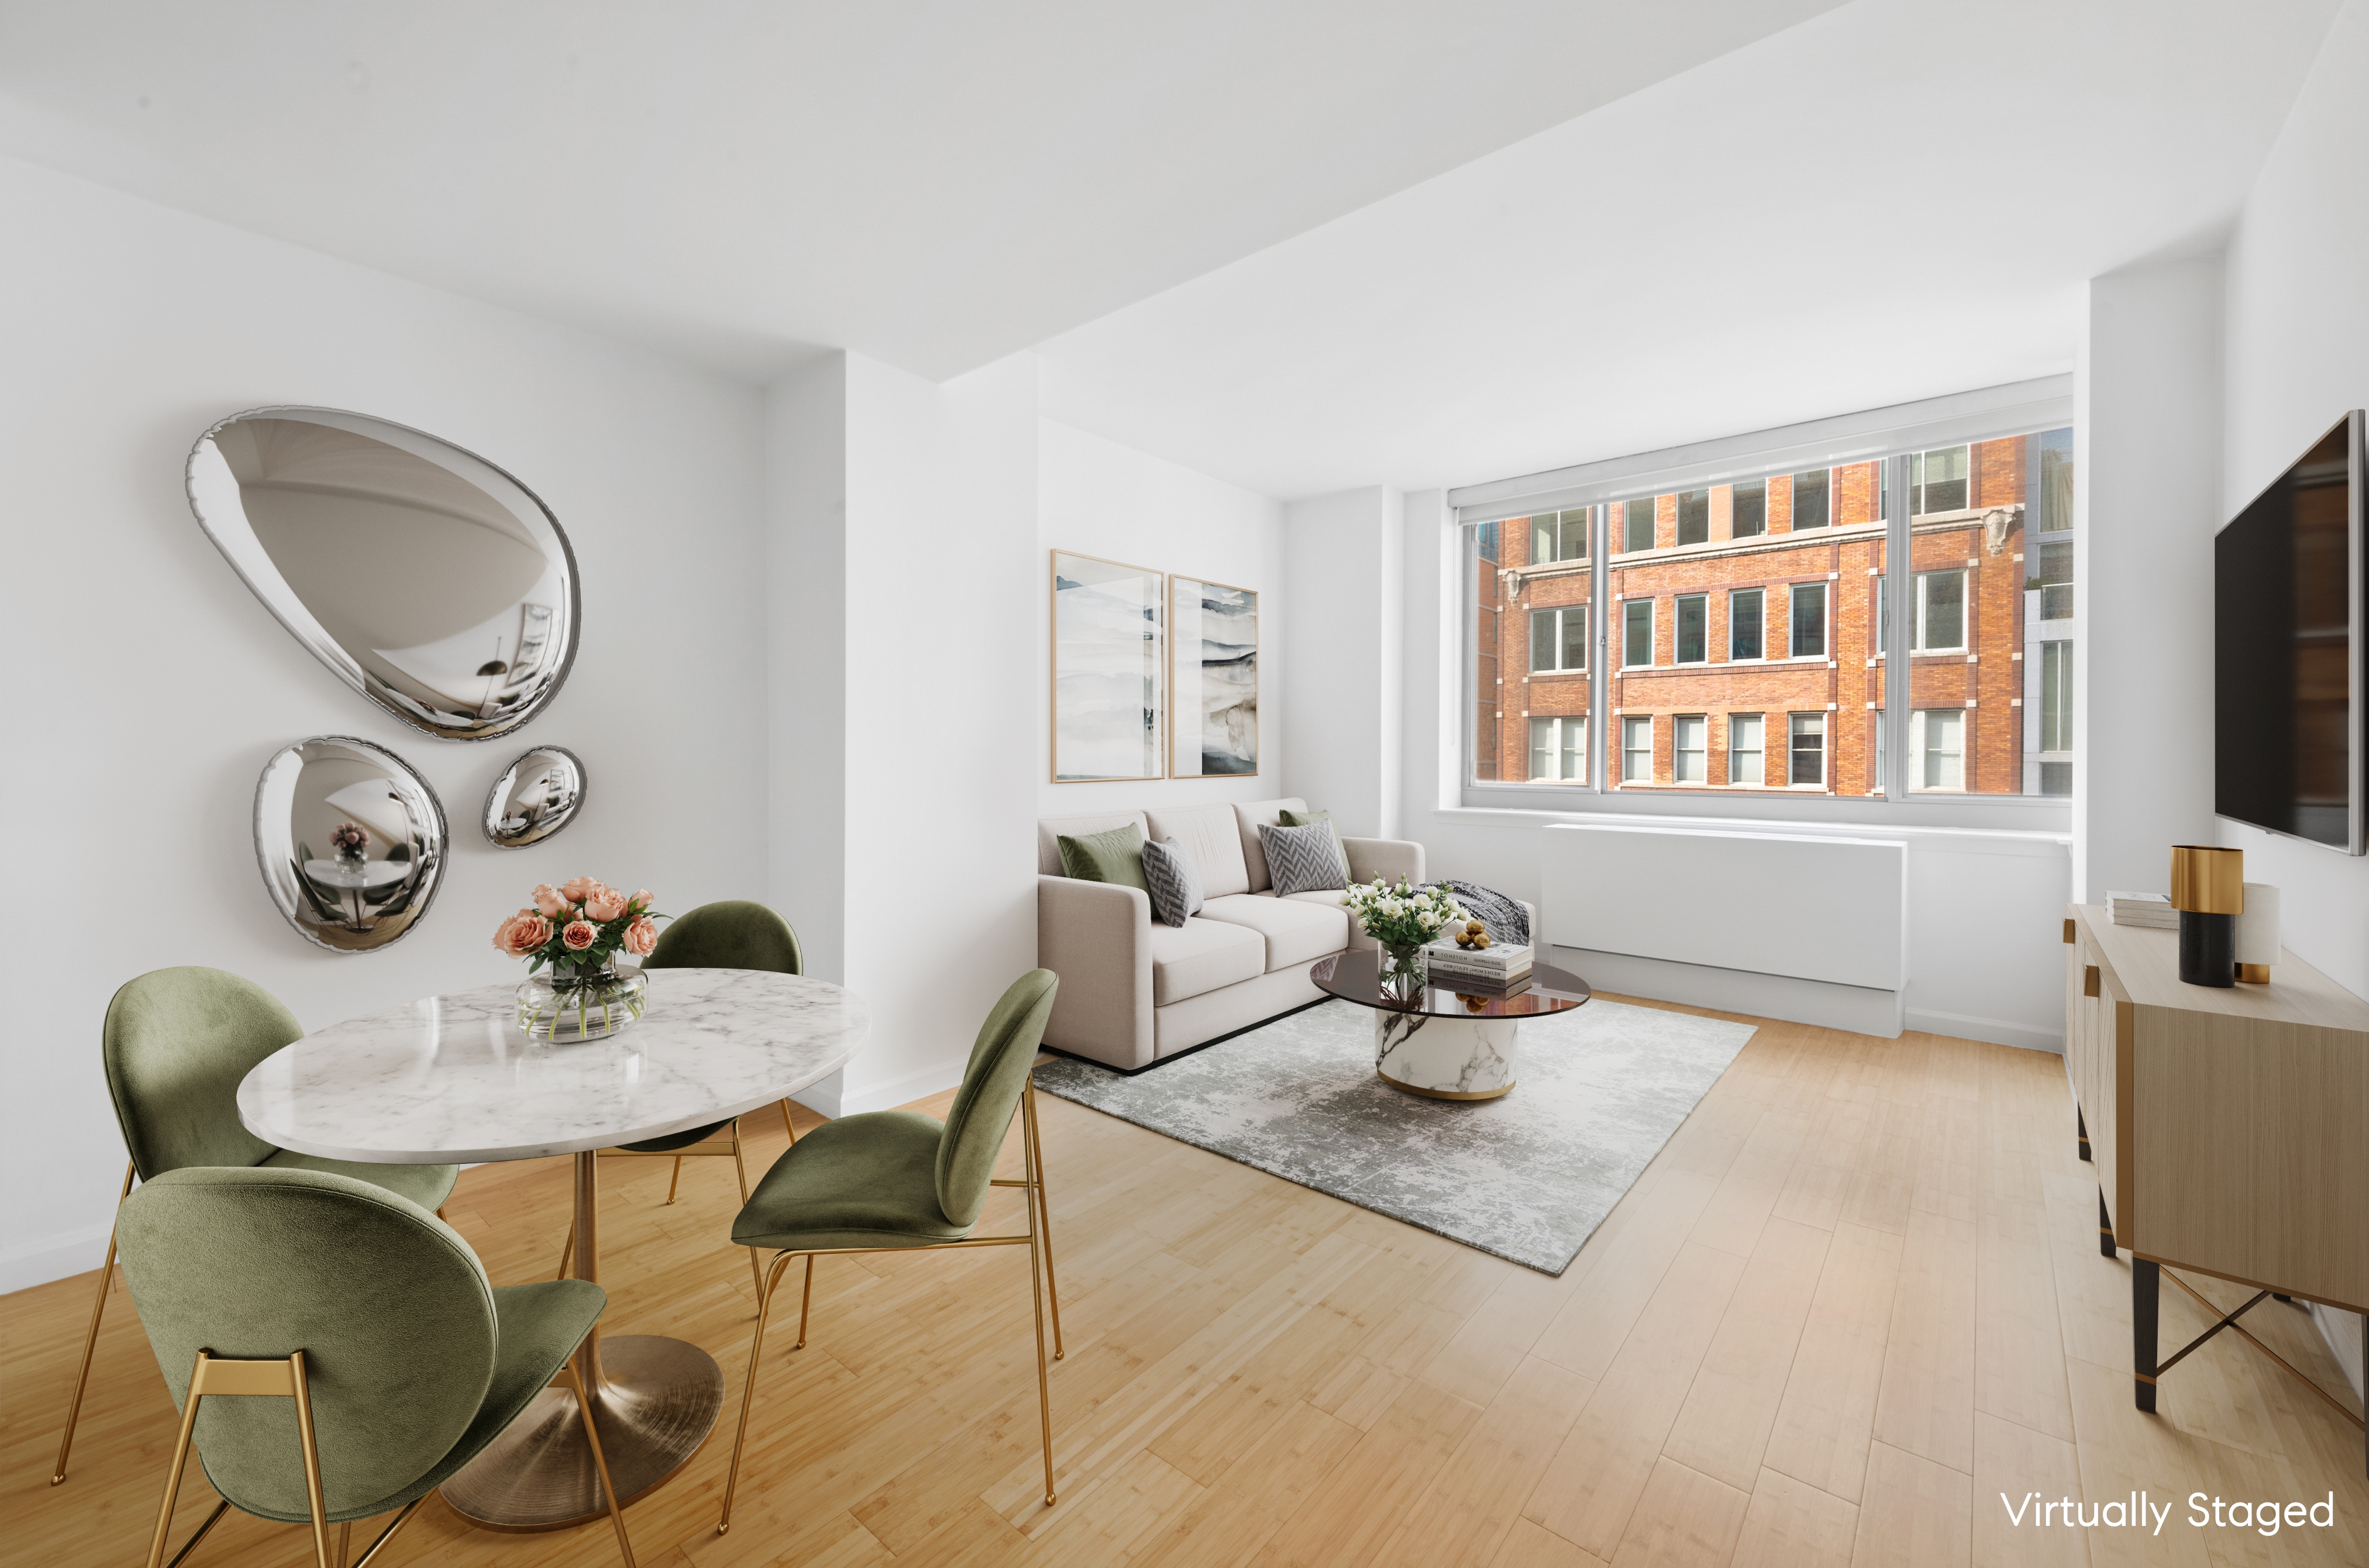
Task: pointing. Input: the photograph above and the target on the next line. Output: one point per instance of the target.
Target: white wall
(1343, 556)
(2147, 388)
(2298, 356)
(151, 685)
(1097, 498)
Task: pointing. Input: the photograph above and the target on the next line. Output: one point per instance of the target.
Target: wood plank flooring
(1855, 1299)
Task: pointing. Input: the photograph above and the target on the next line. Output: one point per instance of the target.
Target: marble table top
(453, 1079)
(371, 874)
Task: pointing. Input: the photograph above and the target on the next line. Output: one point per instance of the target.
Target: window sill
(2041, 824)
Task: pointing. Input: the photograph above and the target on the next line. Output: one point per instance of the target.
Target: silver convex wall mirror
(432, 582)
(535, 797)
(350, 840)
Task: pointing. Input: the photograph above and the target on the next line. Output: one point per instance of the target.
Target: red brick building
(1745, 639)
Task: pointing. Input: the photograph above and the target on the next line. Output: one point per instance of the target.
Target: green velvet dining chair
(899, 1181)
(732, 933)
(176, 1043)
(336, 1351)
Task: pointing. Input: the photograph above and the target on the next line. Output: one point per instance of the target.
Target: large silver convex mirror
(350, 840)
(432, 582)
(535, 797)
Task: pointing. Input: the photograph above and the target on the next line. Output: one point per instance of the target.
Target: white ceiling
(1895, 199)
(934, 183)
(1300, 246)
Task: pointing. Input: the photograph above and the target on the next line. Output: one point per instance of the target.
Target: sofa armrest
(1097, 937)
(1387, 858)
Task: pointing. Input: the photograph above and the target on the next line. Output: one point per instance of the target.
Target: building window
(1636, 632)
(1559, 536)
(1558, 640)
(1748, 514)
(1809, 746)
(1940, 623)
(1637, 750)
(1937, 755)
(1558, 749)
(1743, 749)
(2054, 580)
(1809, 620)
(2056, 696)
(1689, 748)
(1637, 524)
(1812, 503)
(1694, 629)
(2055, 498)
(1694, 516)
(1744, 622)
(1883, 778)
(1936, 481)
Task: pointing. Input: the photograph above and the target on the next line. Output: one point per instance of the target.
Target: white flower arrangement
(1401, 916)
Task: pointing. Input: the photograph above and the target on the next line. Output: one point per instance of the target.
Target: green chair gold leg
(90, 1339)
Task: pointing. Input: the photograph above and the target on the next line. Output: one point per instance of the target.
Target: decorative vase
(569, 1008)
(1403, 972)
(2208, 888)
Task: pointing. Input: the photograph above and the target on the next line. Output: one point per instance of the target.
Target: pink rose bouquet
(578, 928)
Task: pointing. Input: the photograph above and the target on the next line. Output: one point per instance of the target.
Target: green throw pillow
(1309, 819)
(1112, 856)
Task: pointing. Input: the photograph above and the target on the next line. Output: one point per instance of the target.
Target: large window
(1768, 618)
(1558, 640)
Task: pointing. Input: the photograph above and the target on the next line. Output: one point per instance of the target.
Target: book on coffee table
(1498, 965)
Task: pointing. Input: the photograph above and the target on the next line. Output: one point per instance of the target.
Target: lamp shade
(2207, 879)
(2258, 926)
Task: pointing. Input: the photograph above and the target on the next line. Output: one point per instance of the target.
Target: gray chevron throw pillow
(1174, 885)
(1303, 860)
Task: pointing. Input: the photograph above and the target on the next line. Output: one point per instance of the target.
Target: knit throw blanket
(1502, 916)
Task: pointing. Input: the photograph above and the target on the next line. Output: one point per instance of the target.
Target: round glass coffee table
(1446, 1043)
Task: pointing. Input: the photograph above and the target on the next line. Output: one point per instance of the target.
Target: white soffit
(933, 183)
(1891, 201)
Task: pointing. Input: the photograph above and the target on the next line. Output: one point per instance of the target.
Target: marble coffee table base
(1447, 1058)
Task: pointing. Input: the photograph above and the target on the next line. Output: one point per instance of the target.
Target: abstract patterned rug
(1528, 1177)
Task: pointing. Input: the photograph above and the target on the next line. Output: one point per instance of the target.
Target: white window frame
(1891, 435)
(1626, 750)
(1678, 622)
(1826, 622)
(1678, 521)
(1558, 726)
(1917, 752)
(1757, 752)
(1916, 483)
(1792, 490)
(1654, 522)
(1825, 751)
(1922, 600)
(1652, 630)
(1559, 612)
(1678, 723)
(1762, 531)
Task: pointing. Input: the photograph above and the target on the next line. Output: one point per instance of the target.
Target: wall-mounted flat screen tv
(2290, 579)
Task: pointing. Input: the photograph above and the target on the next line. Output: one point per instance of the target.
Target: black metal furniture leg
(2105, 1229)
(2146, 1285)
(2081, 1131)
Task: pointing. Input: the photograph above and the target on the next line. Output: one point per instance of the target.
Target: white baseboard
(54, 1257)
(1859, 1009)
(1997, 1031)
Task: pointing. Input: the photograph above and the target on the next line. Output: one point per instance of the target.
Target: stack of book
(2152, 911)
(1499, 965)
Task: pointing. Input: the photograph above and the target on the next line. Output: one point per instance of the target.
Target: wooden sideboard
(2229, 1127)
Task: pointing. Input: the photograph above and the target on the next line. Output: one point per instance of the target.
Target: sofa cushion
(1247, 818)
(1202, 955)
(1207, 833)
(1294, 931)
(1113, 856)
(1174, 886)
(1304, 860)
(1051, 829)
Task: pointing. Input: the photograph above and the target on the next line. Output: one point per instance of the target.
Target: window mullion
(1899, 588)
(1600, 633)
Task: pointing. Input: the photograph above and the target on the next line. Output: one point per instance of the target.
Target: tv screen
(2288, 589)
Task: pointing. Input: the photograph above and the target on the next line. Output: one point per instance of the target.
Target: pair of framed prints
(1154, 675)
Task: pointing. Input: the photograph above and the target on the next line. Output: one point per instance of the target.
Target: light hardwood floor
(1855, 1300)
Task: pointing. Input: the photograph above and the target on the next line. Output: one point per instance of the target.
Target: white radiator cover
(1799, 907)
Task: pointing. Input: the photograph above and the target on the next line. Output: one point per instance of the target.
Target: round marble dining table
(453, 1080)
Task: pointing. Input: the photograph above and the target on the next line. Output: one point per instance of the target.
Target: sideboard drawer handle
(2068, 931)
(2088, 979)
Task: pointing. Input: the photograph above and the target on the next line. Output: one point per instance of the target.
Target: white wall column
(1345, 656)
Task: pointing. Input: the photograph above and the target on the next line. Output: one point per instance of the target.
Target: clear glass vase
(1403, 972)
(568, 1008)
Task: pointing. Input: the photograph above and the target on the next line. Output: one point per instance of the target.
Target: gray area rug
(1528, 1177)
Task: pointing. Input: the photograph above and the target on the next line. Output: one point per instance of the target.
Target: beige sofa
(1134, 990)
